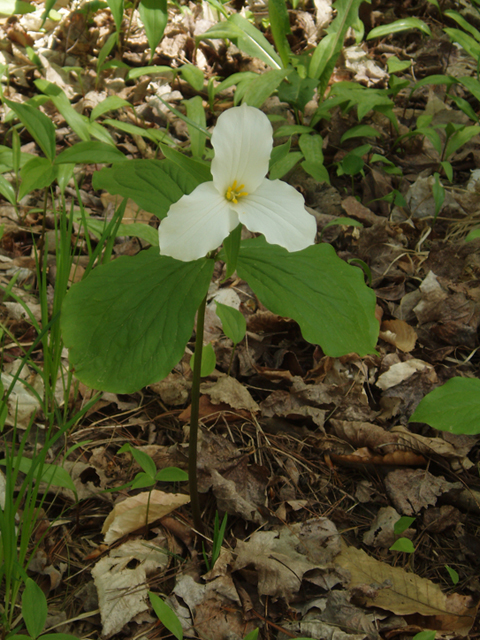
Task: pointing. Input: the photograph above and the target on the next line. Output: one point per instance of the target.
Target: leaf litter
(312, 457)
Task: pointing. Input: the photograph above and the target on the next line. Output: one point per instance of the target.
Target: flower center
(234, 192)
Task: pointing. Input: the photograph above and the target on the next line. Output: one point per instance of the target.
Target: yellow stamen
(234, 192)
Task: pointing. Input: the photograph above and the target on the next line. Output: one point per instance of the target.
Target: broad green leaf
(327, 297)
(474, 233)
(322, 55)
(395, 65)
(150, 71)
(453, 407)
(133, 230)
(292, 130)
(126, 325)
(246, 37)
(116, 7)
(111, 103)
(447, 167)
(167, 616)
(465, 106)
(7, 191)
(465, 24)
(460, 138)
(360, 131)
(153, 184)
(253, 635)
(53, 474)
(36, 174)
(171, 474)
(78, 122)
(286, 164)
(436, 79)
(279, 152)
(403, 544)
(397, 26)
(472, 84)
(193, 75)
(280, 27)
(234, 79)
(64, 175)
(34, 608)
(140, 457)
(91, 152)
(317, 170)
(199, 170)
(154, 16)
(312, 147)
(196, 113)
(10, 7)
(297, 91)
(142, 480)
(438, 192)
(38, 126)
(425, 635)
(402, 524)
(469, 44)
(209, 360)
(263, 86)
(231, 248)
(106, 50)
(233, 322)
(454, 577)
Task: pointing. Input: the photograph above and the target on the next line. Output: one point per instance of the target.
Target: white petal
(278, 211)
(196, 224)
(242, 140)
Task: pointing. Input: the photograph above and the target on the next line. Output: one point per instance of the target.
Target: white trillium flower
(239, 193)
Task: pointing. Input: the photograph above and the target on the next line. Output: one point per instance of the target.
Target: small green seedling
(218, 536)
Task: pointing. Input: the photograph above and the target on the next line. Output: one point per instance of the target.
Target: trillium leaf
(209, 360)
(152, 184)
(453, 407)
(91, 152)
(326, 296)
(154, 17)
(128, 322)
(233, 322)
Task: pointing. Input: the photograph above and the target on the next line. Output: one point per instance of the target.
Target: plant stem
(192, 447)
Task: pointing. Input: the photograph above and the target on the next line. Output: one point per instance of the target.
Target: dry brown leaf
(230, 391)
(131, 514)
(404, 593)
(398, 333)
(402, 371)
(411, 490)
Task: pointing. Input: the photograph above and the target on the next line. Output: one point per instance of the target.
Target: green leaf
(128, 322)
(106, 50)
(209, 360)
(231, 248)
(167, 616)
(360, 131)
(453, 407)
(397, 26)
(472, 84)
(78, 122)
(317, 170)
(7, 191)
(196, 113)
(263, 86)
(246, 37)
(402, 524)
(154, 16)
(52, 474)
(171, 474)
(292, 130)
(10, 7)
(403, 544)
(327, 297)
(112, 103)
(140, 457)
(34, 608)
(473, 235)
(197, 169)
(153, 184)
(91, 152)
(233, 322)
(471, 46)
(286, 164)
(116, 7)
(150, 71)
(280, 27)
(425, 635)
(193, 75)
(155, 135)
(459, 138)
(36, 174)
(312, 147)
(279, 152)
(395, 65)
(142, 480)
(454, 577)
(297, 91)
(38, 126)
(253, 635)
